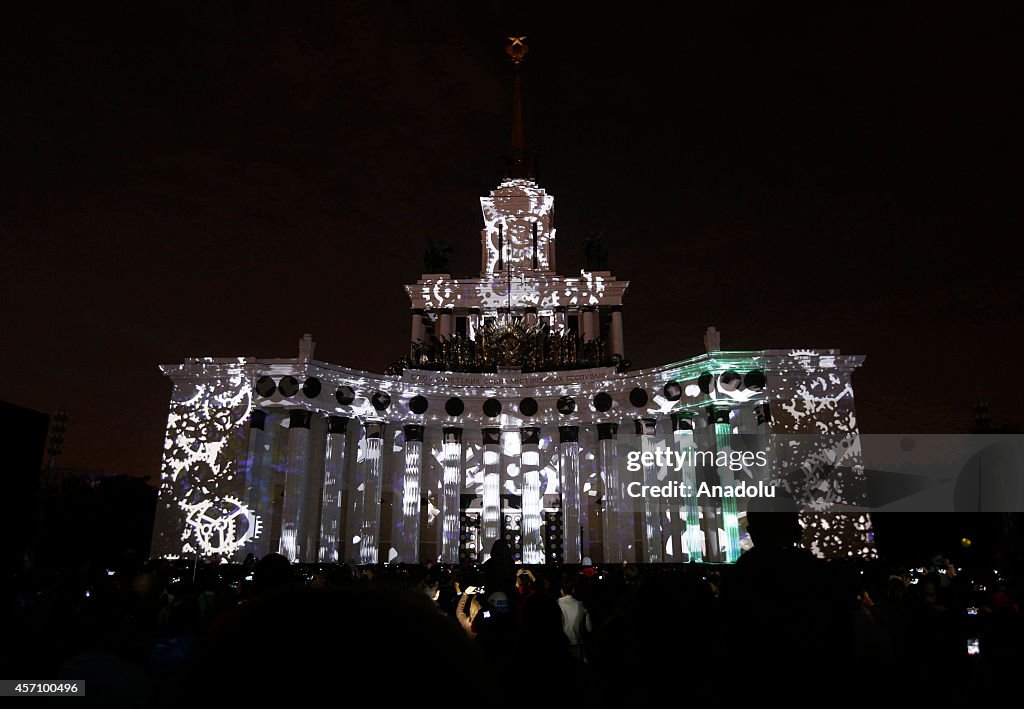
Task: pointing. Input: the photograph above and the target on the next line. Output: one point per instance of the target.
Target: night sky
(187, 180)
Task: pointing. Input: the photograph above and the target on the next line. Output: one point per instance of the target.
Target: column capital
(258, 419)
(568, 434)
(413, 432)
(531, 435)
(374, 429)
(645, 426)
(682, 420)
(718, 413)
(451, 434)
(607, 431)
(337, 424)
(299, 418)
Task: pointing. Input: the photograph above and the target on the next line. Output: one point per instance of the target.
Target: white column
(586, 320)
(569, 472)
(615, 341)
(445, 323)
(682, 432)
(531, 316)
(511, 481)
(613, 539)
(408, 544)
(314, 487)
(252, 468)
(720, 419)
(352, 496)
(452, 446)
(293, 515)
(267, 476)
(533, 541)
(491, 531)
(652, 506)
(331, 541)
(371, 464)
(711, 512)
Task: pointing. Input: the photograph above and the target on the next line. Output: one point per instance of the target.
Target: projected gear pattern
(214, 525)
(824, 469)
(204, 442)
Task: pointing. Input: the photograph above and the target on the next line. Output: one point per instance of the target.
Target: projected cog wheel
(222, 525)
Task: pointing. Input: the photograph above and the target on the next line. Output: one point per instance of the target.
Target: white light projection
(220, 526)
(491, 497)
(809, 393)
(450, 496)
(614, 539)
(569, 464)
(542, 291)
(330, 511)
(409, 544)
(684, 446)
(651, 505)
(511, 461)
(824, 469)
(509, 234)
(294, 519)
(533, 543)
(370, 494)
(205, 440)
(518, 263)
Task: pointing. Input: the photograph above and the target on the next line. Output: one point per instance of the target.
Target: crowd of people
(777, 623)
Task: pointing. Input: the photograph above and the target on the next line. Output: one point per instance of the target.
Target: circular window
(265, 386)
(566, 405)
(603, 402)
(528, 406)
(492, 407)
(288, 387)
(638, 397)
(311, 389)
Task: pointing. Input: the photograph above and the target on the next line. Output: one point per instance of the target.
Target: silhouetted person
(777, 602)
(272, 573)
(500, 570)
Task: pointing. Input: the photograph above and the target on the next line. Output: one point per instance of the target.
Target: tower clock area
(519, 313)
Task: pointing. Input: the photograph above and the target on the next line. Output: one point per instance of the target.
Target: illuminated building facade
(512, 416)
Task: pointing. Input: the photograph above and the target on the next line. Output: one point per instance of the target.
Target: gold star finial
(517, 49)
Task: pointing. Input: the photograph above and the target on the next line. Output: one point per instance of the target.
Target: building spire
(518, 163)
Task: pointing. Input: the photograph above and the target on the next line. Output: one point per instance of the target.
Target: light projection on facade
(220, 527)
(517, 425)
